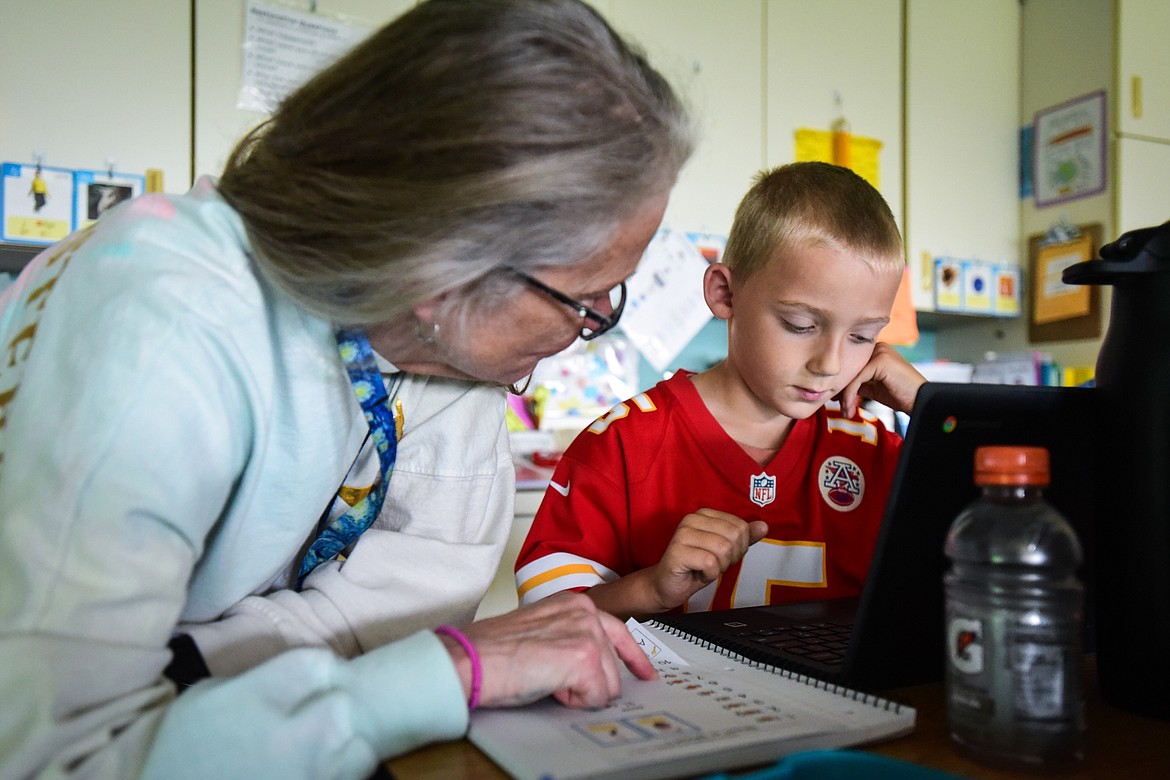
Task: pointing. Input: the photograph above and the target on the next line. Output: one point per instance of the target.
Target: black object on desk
(1133, 479)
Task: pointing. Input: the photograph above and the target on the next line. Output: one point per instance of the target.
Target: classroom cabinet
(1143, 183)
(1142, 141)
(832, 59)
(94, 85)
(713, 53)
(937, 87)
(1143, 69)
(961, 135)
(754, 72)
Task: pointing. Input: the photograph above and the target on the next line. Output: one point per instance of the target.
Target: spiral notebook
(710, 710)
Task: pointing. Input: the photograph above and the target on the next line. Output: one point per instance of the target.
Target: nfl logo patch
(763, 489)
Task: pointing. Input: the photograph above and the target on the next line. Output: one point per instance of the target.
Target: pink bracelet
(473, 656)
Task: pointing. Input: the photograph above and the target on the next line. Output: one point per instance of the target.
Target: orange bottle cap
(1011, 466)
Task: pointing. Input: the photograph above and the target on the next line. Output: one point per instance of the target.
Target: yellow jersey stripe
(552, 574)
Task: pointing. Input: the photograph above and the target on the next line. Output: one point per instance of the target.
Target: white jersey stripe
(557, 572)
(771, 562)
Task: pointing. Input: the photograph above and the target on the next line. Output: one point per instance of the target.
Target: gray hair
(463, 137)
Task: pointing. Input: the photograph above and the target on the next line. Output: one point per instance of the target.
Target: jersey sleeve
(578, 537)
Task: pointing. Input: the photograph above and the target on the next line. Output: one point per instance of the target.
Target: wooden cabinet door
(817, 51)
(88, 82)
(962, 131)
(1143, 68)
(713, 53)
(1143, 183)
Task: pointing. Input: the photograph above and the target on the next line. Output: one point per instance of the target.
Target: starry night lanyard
(377, 404)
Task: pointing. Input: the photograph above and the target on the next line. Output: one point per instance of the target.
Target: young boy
(760, 480)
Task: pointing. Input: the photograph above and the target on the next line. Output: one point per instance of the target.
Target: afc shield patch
(841, 483)
(763, 489)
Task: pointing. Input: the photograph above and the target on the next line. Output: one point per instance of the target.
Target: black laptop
(892, 635)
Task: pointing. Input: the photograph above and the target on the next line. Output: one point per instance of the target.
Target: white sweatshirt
(171, 429)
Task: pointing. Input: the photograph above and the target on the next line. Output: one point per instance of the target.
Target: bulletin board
(1060, 312)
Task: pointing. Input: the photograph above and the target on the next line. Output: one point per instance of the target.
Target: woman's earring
(426, 333)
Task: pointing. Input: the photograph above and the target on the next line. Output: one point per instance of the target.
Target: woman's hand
(562, 645)
(887, 378)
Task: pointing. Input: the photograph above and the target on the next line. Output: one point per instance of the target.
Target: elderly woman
(256, 434)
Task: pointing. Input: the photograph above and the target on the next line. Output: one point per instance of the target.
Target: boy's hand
(705, 543)
(887, 378)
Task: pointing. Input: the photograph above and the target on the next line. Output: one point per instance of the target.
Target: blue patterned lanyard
(376, 403)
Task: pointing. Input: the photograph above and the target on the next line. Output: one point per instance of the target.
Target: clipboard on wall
(1057, 311)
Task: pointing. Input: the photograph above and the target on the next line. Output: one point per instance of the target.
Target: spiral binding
(805, 679)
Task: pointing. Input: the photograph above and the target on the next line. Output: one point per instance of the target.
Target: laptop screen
(903, 596)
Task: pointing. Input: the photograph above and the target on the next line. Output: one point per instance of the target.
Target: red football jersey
(625, 483)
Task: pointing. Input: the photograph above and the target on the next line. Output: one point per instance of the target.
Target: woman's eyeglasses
(617, 297)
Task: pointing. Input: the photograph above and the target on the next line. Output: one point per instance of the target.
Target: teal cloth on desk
(840, 765)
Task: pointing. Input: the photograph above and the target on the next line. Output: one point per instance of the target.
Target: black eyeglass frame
(604, 323)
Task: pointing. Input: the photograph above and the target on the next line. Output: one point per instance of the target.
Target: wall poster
(1069, 150)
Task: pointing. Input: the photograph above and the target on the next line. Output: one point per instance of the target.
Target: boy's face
(804, 326)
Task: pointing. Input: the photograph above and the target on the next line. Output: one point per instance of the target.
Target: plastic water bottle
(1014, 619)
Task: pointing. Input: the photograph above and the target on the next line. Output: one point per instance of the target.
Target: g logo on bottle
(965, 645)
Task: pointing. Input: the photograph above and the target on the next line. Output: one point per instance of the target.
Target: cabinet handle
(1135, 83)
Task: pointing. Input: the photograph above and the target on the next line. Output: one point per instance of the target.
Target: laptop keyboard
(824, 643)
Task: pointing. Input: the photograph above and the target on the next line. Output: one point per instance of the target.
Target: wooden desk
(1117, 745)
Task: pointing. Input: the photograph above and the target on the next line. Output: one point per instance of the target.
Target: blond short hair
(811, 203)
